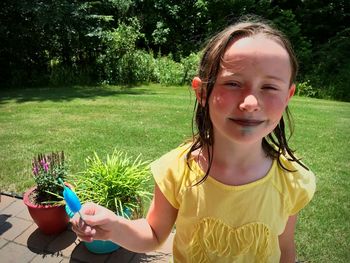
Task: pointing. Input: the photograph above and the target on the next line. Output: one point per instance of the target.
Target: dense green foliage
(119, 183)
(124, 41)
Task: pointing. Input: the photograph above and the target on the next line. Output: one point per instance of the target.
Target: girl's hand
(98, 223)
(139, 235)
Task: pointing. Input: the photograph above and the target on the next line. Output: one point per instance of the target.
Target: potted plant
(44, 200)
(118, 183)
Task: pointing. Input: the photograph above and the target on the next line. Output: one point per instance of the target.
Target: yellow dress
(222, 223)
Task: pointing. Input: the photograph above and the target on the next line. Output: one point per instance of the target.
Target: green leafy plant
(190, 65)
(168, 71)
(47, 168)
(306, 89)
(119, 183)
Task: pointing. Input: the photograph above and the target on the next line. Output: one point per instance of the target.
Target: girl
(234, 191)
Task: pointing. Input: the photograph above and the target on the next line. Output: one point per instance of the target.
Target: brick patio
(21, 241)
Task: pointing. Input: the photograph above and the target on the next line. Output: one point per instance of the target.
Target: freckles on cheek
(217, 100)
(276, 106)
(274, 113)
(220, 100)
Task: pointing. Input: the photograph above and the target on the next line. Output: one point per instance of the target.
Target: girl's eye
(232, 85)
(269, 88)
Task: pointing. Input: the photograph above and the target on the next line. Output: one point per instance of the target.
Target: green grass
(152, 120)
(322, 137)
(80, 120)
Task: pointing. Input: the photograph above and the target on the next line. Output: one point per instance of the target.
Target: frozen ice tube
(71, 199)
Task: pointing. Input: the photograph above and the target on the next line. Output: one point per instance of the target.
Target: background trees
(123, 41)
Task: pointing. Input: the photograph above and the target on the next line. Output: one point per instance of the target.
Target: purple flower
(46, 166)
(35, 170)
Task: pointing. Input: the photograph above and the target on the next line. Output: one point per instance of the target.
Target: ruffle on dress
(214, 237)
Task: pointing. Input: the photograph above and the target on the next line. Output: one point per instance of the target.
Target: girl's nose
(249, 104)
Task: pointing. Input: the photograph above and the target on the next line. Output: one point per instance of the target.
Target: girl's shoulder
(296, 183)
(175, 157)
(294, 171)
(172, 174)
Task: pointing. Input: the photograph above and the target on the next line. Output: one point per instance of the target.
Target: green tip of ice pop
(61, 182)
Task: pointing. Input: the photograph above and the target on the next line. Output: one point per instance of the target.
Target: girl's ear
(291, 91)
(199, 90)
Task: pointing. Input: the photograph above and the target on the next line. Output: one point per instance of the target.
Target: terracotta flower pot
(50, 219)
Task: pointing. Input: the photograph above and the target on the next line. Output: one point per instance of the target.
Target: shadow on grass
(59, 94)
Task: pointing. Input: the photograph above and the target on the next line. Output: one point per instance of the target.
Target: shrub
(136, 67)
(190, 65)
(305, 89)
(119, 59)
(117, 183)
(169, 72)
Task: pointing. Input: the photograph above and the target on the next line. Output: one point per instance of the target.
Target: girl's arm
(141, 235)
(286, 241)
(144, 235)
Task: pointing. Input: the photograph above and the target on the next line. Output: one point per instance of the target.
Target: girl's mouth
(247, 122)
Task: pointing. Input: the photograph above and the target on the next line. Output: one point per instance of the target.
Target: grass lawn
(152, 120)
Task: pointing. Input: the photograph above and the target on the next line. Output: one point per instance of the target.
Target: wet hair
(274, 144)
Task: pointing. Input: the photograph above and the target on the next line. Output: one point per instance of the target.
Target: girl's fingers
(87, 239)
(89, 208)
(85, 235)
(94, 224)
(81, 228)
(87, 231)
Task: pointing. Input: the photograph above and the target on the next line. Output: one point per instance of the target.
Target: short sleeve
(301, 188)
(168, 172)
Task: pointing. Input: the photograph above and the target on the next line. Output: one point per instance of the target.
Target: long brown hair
(274, 144)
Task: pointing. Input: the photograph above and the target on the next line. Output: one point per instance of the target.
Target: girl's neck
(238, 155)
(236, 164)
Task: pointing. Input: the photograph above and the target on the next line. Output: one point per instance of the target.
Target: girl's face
(252, 90)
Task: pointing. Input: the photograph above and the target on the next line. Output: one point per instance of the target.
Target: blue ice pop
(71, 199)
